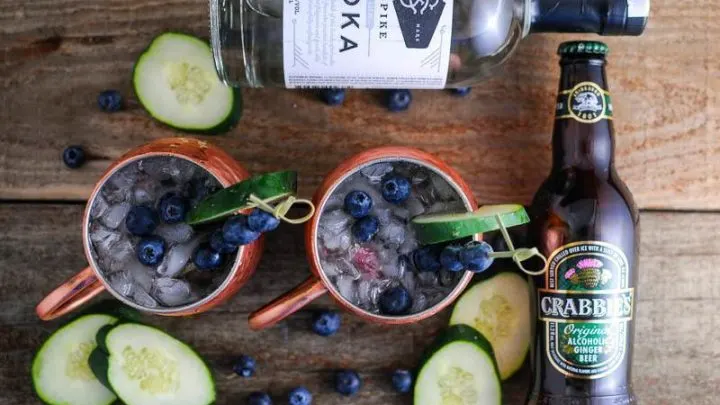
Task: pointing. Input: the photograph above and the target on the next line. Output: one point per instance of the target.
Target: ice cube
(410, 244)
(140, 274)
(335, 221)
(408, 281)
(103, 238)
(171, 292)
(420, 177)
(359, 183)
(335, 202)
(146, 191)
(419, 303)
(144, 299)
(341, 266)
(115, 215)
(392, 233)
(438, 208)
(427, 279)
(177, 257)
(200, 187)
(414, 206)
(122, 283)
(369, 291)
(340, 242)
(386, 256)
(443, 190)
(163, 169)
(118, 187)
(347, 287)
(175, 233)
(396, 270)
(120, 255)
(99, 206)
(384, 215)
(374, 173)
(401, 213)
(449, 278)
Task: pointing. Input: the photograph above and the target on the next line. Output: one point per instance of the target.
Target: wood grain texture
(55, 56)
(677, 347)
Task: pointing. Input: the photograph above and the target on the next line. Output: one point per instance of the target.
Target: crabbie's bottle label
(367, 43)
(587, 102)
(586, 307)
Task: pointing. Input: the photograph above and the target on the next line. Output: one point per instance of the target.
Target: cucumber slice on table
(499, 308)
(144, 365)
(432, 229)
(60, 371)
(459, 368)
(175, 81)
(268, 186)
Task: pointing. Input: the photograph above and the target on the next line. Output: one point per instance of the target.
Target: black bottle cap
(604, 17)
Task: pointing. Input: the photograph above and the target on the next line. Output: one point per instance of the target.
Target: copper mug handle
(287, 304)
(71, 294)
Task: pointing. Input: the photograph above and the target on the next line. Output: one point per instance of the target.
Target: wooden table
(58, 54)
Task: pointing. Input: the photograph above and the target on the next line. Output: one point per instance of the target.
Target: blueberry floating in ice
(395, 301)
(205, 258)
(141, 220)
(475, 256)
(219, 244)
(450, 258)
(365, 229)
(358, 204)
(395, 189)
(173, 208)
(151, 250)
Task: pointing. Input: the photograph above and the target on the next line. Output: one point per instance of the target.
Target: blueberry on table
(402, 381)
(358, 204)
(347, 382)
(364, 229)
(244, 366)
(398, 100)
(395, 301)
(219, 244)
(110, 100)
(206, 258)
(300, 396)
(262, 221)
(173, 208)
(427, 259)
(461, 91)
(141, 220)
(450, 258)
(236, 230)
(395, 189)
(259, 398)
(150, 250)
(333, 97)
(326, 323)
(74, 156)
(475, 256)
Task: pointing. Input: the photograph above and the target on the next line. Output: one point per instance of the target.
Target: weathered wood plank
(676, 352)
(56, 55)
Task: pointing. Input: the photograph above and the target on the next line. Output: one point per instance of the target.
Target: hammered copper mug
(91, 281)
(318, 283)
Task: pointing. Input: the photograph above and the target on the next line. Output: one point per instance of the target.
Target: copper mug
(91, 281)
(318, 283)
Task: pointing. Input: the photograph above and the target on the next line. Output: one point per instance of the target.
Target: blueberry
(475, 256)
(141, 220)
(365, 229)
(427, 258)
(218, 243)
(450, 258)
(259, 398)
(398, 100)
(206, 258)
(326, 323)
(333, 97)
(395, 301)
(358, 204)
(461, 91)
(300, 396)
(74, 156)
(150, 250)
(244, 366)
(110, 100)
(237, 231)
(262, 221)
(402, 380)
(395, 189)
(172, 208)
(347, 382)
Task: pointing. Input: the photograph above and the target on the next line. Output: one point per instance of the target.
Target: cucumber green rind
(226, 124)
(268, 186)
(431, 229)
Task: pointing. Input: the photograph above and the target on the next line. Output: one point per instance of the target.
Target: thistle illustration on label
(586, 102)
(586, 306)
(418, 20)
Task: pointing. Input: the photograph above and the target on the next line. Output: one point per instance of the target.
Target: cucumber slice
(228, 201)
(175, 81)
(499, 308)
(60, 371)
(432, 229)
(147, 366)
(459, 369)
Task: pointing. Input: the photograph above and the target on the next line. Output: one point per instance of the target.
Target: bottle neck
(604, 17)
(583, 136)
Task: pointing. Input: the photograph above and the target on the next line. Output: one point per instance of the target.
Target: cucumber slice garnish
(60, 370)
(144, 365)
(175, 81)
(499, 308)
(459, 368)
(431, 229)
(269, 187)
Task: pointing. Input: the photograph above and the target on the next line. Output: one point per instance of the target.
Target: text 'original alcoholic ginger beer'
(585, 222)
